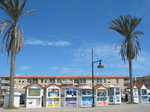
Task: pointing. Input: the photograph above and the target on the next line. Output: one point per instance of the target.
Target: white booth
(69, 96)
(85, 96)
(114, 94)
(34, 93)
(16, 99)
(143, 94)
(101, 95)
(135, 94)
(52, 95)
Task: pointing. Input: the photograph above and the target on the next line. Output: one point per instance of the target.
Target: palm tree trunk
(12, 71)
(131, 81)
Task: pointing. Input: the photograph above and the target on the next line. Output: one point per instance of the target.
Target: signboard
(53, 92)
(86, 101)
(71, 89)
(118, 99)
(53, 102)
(34, 92)
(50, 102)
(145, 99)
(56, 102)
(33, 102)
(102, 101)
(71, 102)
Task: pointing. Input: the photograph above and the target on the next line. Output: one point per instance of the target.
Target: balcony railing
(5, 81)
(126, 81)
(4, 87)
(66, 82)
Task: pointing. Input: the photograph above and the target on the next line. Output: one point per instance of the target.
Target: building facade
(62, 81)
(143, 79)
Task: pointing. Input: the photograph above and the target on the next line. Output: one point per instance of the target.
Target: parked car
(22, 99)
(148, 91)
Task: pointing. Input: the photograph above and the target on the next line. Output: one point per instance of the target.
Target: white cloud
(24, 67)
(111, 59)
(41, 42)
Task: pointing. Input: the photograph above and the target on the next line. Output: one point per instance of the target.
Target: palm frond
(125, 25)
(29, 11)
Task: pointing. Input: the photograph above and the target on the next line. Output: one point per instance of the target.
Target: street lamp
(100, 66)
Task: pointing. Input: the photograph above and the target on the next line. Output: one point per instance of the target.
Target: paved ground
(109, 108)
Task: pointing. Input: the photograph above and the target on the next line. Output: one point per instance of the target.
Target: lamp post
(99, 66)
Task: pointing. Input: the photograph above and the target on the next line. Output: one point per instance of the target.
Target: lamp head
(100, 66)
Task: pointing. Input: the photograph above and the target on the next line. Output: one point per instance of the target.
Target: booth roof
(83, 87)
(32, 84)
(138, 85)
(98, 86)
(51, 85)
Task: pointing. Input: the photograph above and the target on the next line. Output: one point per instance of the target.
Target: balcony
(4, 81)
(4, 87)
(126, 81)
(67, 82)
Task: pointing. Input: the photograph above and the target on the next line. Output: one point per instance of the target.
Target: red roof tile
(61, 77)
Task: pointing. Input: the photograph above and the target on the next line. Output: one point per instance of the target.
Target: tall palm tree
(130, 46)
(13, 37)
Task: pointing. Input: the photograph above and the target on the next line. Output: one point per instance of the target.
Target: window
(22, 86)
(104, 80)
(99, 80)
(144, 92)
(52, 80)
(108, 80)
(19, 80)
(110, 91)
(22, 80)
(18, 86)
(117, 91)
(43, 80)
(34, 80)
(117, 80)
(58, 80)
(75, 80)
(83, 80)
(86, 92)
(28, 80)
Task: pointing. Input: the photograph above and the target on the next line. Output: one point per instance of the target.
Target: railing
(66, 82)
(126, 81)
(5, 81)
(4, 87)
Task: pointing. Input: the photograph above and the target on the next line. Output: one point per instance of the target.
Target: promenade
(142, 107)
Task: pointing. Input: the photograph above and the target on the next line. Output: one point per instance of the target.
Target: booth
(101, 95)
(114, 94)
(52, 95)
(85, 96)
(69, 97)
(143, 94)
(34, 93)
(16, 99)
(135, 94)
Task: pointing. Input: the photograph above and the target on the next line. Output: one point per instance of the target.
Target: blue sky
(60, 35)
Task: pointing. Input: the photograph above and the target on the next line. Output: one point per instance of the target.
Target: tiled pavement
(109, 108)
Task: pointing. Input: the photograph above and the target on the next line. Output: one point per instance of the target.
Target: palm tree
(130, 46)
(13, 37)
